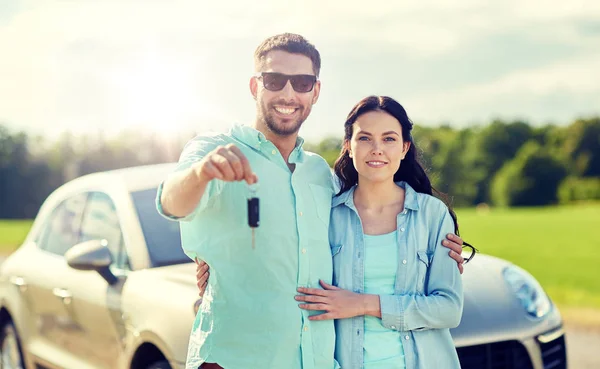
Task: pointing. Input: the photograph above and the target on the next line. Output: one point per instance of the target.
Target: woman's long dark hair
(411, 171)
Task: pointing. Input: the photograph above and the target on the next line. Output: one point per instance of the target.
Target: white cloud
(104, 64)
(542, 10)
(573, 77)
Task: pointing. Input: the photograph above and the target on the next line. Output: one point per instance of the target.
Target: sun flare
(157, 94)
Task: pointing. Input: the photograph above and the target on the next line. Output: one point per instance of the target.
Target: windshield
(162, 235)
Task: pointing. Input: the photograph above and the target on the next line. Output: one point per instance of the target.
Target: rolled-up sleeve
(442, 304)
(194, 151)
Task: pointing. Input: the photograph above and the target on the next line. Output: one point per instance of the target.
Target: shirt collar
(248, 135)
(410, 197)
(257, 140)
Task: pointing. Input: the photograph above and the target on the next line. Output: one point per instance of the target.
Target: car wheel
(11, 355)
(160, 365)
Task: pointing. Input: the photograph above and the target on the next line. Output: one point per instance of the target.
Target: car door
(96, 305)
(52, 321)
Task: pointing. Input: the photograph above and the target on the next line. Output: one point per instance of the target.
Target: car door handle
(19, 282)
(65, 295)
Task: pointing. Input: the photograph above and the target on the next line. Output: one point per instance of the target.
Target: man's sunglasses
(276, 81)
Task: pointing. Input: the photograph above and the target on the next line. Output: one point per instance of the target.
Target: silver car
(101, 282)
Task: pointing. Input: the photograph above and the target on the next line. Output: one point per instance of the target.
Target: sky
(170, 66)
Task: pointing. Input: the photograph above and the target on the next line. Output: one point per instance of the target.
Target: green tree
(579, 189)
(23, 179)
(494, 146)
(329, 148)
(582, 147)
(530, 179)
(444, 156)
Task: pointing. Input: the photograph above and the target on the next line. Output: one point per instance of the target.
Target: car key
(253, 212)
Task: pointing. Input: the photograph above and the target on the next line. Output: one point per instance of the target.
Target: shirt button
(402, 229)
(306, 329)
(274, 152)
(403, 261)
(406, 338)
(300, 213)
(393, 327)
(304, 251)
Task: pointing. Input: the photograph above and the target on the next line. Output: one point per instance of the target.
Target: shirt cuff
(161, 211)
(391, 312)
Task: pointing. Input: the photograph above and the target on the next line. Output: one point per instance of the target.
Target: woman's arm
(338, 303)
(440, 308)
(442, 305)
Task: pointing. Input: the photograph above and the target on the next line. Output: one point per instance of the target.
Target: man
(248, 317)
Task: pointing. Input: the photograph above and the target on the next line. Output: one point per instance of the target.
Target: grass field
(560, 246)
(12, 233)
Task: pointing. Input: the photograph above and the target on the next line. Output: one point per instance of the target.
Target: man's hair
(291, 43)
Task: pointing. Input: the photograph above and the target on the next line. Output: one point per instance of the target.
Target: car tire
(160, 365)
(11, 355)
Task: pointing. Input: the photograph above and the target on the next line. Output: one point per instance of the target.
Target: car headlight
(528, 290)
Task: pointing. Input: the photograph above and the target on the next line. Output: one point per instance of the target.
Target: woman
(396, 292)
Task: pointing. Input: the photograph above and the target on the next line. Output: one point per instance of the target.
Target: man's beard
(282, 129)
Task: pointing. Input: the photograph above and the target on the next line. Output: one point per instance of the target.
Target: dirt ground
(583, 344)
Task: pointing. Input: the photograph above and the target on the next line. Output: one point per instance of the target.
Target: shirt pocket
(423, 262)
(322, 196)
(335, 254)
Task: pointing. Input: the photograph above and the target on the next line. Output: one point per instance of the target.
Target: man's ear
(253, 87)
(317, 91)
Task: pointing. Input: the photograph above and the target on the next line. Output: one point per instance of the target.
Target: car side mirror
(92, 255)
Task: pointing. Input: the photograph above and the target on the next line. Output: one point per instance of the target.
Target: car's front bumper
(545, 351)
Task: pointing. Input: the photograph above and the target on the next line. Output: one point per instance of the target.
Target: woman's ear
(405, 149)
(348, 149)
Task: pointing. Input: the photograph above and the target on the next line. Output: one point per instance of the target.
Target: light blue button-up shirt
(428, 295)
(249, 317)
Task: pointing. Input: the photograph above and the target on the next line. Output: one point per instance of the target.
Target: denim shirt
(428, 295)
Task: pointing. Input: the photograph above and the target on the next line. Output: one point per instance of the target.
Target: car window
(100, 222)
(162, 236)
(61, 231)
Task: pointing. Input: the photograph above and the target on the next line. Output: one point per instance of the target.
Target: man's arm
(452, 241)
(183, 190)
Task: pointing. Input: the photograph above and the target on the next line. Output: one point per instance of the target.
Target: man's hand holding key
(229, 164)
(226, 163)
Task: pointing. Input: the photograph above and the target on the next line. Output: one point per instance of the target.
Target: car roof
(133, 179)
